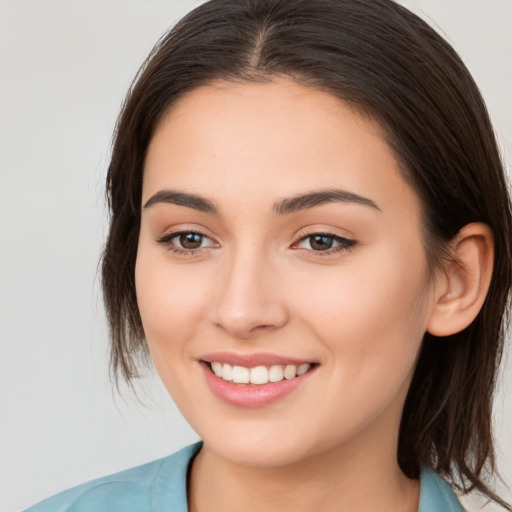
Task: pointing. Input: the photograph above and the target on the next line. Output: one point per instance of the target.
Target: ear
(463, 282)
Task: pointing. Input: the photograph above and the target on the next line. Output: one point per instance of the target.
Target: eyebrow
(317, 198)
(182, 199)
(282, 207)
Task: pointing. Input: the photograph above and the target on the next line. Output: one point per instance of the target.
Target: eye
(189, 240)
(325, 242)
(186, 241)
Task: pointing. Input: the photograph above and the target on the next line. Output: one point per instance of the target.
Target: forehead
(250, 140)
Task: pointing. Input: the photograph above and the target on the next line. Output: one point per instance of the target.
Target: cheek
(371, 316)
(171, 301)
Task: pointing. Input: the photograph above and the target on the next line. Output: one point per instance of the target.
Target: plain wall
(64, 69)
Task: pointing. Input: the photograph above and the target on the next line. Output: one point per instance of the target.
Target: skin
(256, 285)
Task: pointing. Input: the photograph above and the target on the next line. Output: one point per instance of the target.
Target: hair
(393, 67)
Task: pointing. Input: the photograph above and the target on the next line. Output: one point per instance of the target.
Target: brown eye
(321, 242)
(325, 242)
(186, 242)
(190, 240)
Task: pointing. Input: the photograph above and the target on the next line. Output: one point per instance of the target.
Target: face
(281, 274)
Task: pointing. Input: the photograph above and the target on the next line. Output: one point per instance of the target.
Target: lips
(254, 380)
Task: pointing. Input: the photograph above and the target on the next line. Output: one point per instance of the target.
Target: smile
(256, 380)
(258, 375)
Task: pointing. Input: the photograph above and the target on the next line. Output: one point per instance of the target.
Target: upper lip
(252, 360)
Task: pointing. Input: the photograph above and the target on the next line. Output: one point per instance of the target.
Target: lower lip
(247, 395)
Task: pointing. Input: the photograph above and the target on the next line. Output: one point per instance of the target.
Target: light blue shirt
(161, 486)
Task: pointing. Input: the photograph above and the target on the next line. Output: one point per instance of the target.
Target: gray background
(64, 68)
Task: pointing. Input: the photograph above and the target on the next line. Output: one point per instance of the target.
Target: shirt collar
(436, 495)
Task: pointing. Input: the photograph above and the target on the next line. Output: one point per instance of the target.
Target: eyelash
(166, 241)
(344, 244)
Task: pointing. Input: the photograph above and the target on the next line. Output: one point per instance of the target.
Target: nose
(249, 299)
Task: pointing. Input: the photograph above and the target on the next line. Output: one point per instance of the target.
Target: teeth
(303, 368)
(290, 371)
(217, 368)
(275, 374)
(240, 375)
(227, 372)
(259, 374)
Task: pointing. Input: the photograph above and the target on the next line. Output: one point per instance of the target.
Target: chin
(251, 454)
(262, 447)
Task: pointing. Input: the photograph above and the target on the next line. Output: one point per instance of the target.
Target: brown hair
(392, 66)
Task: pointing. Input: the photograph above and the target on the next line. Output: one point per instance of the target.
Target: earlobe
(464, 280)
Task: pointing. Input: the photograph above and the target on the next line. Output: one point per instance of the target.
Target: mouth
(254, 381)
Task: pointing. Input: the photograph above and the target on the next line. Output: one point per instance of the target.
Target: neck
(335, 480)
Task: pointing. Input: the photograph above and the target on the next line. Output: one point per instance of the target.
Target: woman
(310, 236)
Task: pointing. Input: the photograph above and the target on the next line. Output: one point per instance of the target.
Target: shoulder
(436, 495)
(146, 488)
